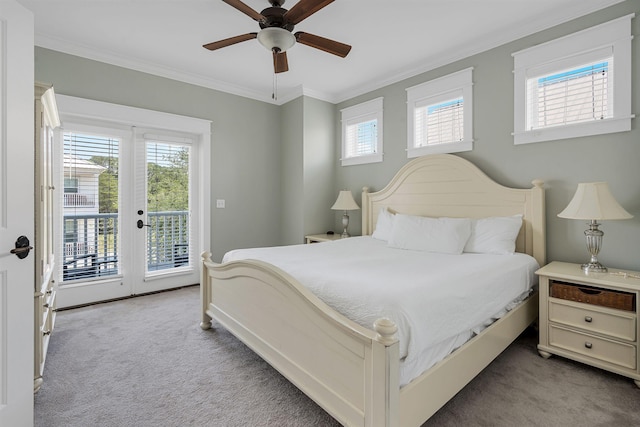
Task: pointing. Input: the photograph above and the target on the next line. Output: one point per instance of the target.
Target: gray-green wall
(562, 164)
(292, 184)
(308, 168)
(246, 149)
(319, 165)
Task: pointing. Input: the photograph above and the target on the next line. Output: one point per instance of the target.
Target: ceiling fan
(277, 24)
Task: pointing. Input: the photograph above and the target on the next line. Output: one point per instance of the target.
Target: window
(362, 133)
(90, 205)
(70, 185)
(574, 86)
(439, 114)
(168, 236)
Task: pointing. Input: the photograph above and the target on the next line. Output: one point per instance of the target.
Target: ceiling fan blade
(303, 9)
(280, 63)
(231, 40)
(327, 45)
(245, 9)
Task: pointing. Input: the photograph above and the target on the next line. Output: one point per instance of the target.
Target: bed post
(366, 228)
(205, 290)
(538, 222)
(383, 388)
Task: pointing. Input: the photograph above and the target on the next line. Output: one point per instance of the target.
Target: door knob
(22, 247)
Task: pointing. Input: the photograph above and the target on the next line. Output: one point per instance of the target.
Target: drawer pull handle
(588, 345)
(590, 291)
(588, 319)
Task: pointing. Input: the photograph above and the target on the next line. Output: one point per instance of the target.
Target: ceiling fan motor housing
(274, 17)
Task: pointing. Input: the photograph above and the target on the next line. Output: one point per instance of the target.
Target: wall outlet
(220, 203)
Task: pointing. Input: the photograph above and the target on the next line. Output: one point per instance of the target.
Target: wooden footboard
(350, 371)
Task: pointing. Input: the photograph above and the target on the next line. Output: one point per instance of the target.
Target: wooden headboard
(445, 185)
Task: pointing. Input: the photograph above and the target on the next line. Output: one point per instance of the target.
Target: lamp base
(594, 243)
(593, 267)
(345, 225)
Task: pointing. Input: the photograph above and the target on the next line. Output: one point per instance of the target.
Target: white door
(16, 214)
(167, 212)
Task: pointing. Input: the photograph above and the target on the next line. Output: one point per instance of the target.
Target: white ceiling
(391, 39)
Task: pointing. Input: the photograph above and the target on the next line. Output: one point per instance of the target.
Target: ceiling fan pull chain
(274, 94)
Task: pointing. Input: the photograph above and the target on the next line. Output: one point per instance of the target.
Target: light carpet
(145, 362)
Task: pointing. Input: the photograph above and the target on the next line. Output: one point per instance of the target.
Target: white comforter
(434, 299)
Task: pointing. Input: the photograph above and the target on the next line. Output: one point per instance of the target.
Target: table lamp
(345, 203)
(593, 201)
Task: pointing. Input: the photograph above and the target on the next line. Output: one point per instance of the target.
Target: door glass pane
(90, 207)
(167, 205)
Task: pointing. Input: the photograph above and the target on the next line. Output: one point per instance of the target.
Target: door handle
(141, 224)
(22, 248)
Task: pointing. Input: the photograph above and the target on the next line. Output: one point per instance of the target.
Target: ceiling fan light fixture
(276, 38)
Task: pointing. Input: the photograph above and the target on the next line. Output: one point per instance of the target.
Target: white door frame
(17, 154)
(80, 110)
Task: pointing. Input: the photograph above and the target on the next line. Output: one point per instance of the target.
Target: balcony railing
(91, 244)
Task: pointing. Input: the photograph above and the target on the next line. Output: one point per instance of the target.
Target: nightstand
(317, 238)
(591, 318)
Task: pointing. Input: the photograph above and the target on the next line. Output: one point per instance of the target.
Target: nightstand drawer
(608, 351)
(617, 324)
(592, 295)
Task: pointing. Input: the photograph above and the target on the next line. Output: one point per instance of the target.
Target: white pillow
(494, 235)
(444, 235)
(383, 225)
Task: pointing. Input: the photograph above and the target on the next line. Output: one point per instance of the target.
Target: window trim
(569, 51)
(432, 92)
(363, 112)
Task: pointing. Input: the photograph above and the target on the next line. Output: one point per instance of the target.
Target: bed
(353, 371)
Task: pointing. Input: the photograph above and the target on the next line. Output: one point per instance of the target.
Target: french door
(129, 211)
(166, 208)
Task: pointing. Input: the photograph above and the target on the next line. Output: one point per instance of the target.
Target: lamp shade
(594, 201)
(275, 37)
(345, 202)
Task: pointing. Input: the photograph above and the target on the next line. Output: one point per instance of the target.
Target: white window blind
(361, 138)
(576, 95)
(574, 86)
(439, 123)
(440, 115)
(362, 133)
